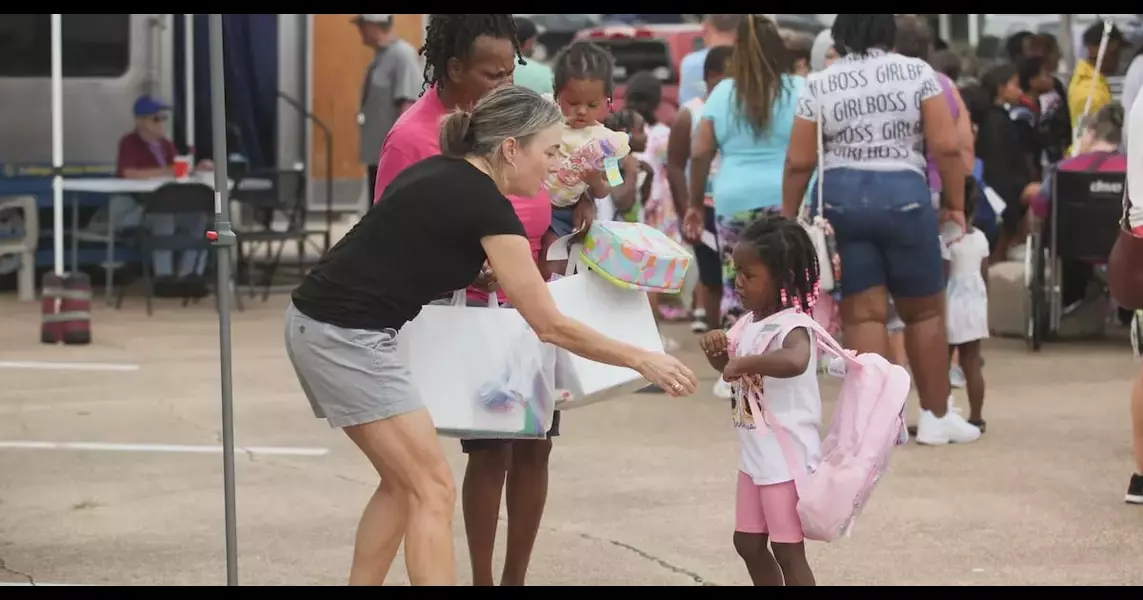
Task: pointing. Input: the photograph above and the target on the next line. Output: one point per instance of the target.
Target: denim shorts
(887, 232)
(563, 221)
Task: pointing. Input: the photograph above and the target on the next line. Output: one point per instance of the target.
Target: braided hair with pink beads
(788, 253)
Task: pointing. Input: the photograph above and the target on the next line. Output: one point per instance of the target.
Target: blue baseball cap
(146, 106)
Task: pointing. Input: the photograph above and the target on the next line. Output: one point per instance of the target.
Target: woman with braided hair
(747, 120)
(467, 56)
(880, 112)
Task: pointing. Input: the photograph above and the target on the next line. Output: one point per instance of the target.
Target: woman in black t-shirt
(430, 234)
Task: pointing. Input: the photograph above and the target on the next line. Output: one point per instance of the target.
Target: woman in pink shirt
(468, 56)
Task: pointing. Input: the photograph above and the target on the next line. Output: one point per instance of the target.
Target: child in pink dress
(584, 85)
(583, 80)
(644, 94)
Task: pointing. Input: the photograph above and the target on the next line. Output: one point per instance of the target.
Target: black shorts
(470, 446)
(709, 261)
(372, 186)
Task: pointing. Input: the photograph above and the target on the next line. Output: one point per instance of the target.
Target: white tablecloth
(141, 186)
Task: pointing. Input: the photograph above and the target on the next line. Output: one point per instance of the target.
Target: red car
(655, 48)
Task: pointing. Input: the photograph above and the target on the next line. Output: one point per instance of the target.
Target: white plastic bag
(619, 313)
(481, 372)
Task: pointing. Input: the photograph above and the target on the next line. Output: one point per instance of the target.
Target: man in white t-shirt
(1134, 131)
(717, 30)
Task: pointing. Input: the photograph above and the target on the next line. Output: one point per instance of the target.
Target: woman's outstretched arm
(511, 259)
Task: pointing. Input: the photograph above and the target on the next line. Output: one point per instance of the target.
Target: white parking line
(65, 366)
(101, 447)
(38, 584)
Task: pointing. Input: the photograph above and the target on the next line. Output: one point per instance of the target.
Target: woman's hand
(668, 373)
(511, 258)
(583, 214)
(693, 225)
(956, 216)
(1030, 192)
(486, 280)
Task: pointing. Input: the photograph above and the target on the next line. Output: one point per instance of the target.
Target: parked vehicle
(556, 31)
(655, 48)
(804, 24)
(648, 19)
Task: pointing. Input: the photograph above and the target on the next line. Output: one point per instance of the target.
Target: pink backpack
(868, 422)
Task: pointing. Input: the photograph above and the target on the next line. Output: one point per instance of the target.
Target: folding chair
(177, 200)
(23, 245)
(279, 217)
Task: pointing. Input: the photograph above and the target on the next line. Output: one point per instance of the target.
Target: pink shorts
(768, 509)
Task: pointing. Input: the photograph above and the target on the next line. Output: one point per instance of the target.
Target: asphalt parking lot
(642, 487)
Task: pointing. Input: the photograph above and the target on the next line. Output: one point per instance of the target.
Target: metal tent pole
(1078, 126)
(188, 74)
(224, 240)
(57, 144)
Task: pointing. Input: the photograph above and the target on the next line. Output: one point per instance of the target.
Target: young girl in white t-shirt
(966, 259)
(777, 272)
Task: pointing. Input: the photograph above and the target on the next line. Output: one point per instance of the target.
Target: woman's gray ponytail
(507, 112)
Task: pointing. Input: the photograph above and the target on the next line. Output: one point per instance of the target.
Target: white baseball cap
(373, 18)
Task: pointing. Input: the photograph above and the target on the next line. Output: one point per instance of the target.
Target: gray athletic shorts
(350, 376)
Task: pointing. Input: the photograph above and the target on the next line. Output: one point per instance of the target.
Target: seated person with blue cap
(147, 153)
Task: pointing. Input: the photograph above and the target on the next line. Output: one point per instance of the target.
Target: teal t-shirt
(534, 76)
(751, 166)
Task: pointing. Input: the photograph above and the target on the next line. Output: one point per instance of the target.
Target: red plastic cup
(182, 167)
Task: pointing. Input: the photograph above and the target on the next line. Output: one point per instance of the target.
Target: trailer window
(94, 46)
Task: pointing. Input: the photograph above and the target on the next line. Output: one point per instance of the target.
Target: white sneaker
(956, 377)
(670, 345)
(950, 429)
(722, 390)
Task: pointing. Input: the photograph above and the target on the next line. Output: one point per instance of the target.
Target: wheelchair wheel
(1036, 302)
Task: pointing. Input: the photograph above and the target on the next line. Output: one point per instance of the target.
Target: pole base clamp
(222, 238)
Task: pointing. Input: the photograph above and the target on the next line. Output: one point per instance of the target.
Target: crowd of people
(859, 129)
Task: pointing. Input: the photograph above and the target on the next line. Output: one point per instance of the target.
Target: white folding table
(112, 186)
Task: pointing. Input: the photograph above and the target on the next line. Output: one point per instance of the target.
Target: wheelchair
(1082, 225)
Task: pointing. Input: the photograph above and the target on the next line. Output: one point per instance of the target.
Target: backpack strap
(797, 471)
(785, 324)
(823, 337)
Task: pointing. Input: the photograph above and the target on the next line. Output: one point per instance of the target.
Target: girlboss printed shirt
(871, 110)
